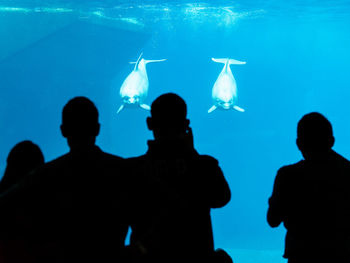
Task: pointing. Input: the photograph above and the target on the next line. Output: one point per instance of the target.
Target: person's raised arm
(218, 191)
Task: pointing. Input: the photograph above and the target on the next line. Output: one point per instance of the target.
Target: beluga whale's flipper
(238, 108)
(120, 108)
(212, 109)
(145, 106)
(224, 91)
(134, 89)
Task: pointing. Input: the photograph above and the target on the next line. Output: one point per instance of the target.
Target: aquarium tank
(296, 56)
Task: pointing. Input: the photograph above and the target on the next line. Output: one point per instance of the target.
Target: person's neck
(317, 155)
(80, 145)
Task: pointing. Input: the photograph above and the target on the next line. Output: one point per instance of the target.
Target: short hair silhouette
(80, 118)
(168, 114)
(23, 157)
(311, 197)
(169, 104)
(315, 132)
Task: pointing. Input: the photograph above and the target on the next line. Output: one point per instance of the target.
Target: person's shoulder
(288, 174)
(207, 159)
(342, 165)
(46, 172)
(139, 158)
(136, 162)
(291, 168)
(108, 162)
(53, 164)
(138, 173)
(111, 156)
(340, 159)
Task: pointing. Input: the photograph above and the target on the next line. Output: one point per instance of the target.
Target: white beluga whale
(134, 89)
(224, 91)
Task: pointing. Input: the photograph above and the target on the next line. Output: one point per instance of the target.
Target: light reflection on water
(147, 14)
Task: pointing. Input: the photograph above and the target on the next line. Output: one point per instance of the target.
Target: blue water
(297, 55)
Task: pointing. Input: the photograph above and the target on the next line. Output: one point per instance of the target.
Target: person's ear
(149, 123)
(331, 142)
(187, 123)
(63, 131)
(299, 144)
(97, 129)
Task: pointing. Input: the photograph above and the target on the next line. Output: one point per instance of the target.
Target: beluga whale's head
(131, 100)
(134, 89)
(225, 104)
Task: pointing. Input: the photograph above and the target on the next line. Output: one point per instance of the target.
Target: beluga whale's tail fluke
(134, 89)
(146, 61)
(224, 92)
(150, 61)
(230, 61)
(137, 61)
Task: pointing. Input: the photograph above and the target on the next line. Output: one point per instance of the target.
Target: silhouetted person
(174, 190)
(23, 158)
(312, 199)
(15, 226)
(77, 199)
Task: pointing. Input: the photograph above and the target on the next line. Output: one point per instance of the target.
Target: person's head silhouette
(314, 135)
(168, 117)
(23, 158)
(80, 123)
